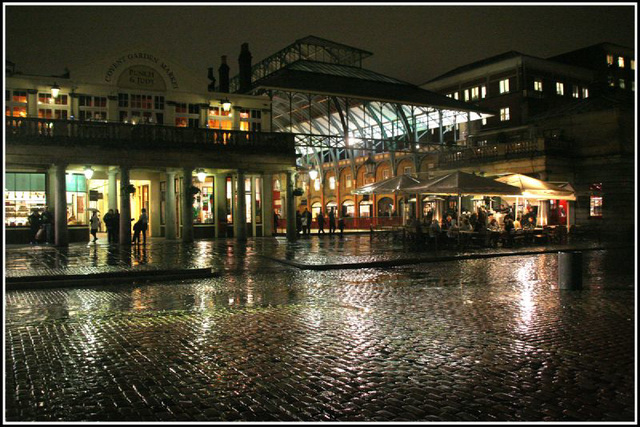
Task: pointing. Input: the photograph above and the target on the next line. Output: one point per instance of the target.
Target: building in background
(131, 131)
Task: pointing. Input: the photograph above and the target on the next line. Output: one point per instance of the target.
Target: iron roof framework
(338, 110)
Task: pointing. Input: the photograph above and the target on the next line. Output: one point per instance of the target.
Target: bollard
(570, 270)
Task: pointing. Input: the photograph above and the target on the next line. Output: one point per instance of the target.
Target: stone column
(125, 207)
(170, 232)
(187, 205)
(240, 217)
(113, 189)
(32, 103)
(112, 108)
(267, 205)
(291, 208)
(220, 204)
(61, 231)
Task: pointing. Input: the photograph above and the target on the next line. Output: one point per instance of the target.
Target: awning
(533, 188)
(462, 183)
(388, 186)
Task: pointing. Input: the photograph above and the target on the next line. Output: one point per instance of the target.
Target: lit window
(504, 114)
(595, 206)
(385, 174)
(576, 92)
(609, 59)
(484, 122)
(585, 92)
(332, 183)
(560, 88)
(537, 85)
(633, 86)
(316, 184)
(466, 94)
(620, 62)
(347, 182)
(632, 64)
(455, 95)
(483, 92)
(621, 83)
(19, 96)
(504, 86)
(450, 95)
(475, 92)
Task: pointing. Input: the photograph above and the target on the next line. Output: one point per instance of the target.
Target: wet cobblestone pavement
(468, 340)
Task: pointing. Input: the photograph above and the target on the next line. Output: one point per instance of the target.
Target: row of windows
(480, 92)
(620, 61)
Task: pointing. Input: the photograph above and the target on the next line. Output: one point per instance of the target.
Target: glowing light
(313, 174)
(55, 90)
(201, 175)
(88, 172)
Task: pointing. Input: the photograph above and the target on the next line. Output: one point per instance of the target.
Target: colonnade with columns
(120, 198)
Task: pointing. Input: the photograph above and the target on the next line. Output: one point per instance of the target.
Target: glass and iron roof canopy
(320, 92)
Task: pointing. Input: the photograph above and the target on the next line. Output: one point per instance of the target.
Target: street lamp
(55, 90)
(201, 175)
(88, 172)
(226, 104)
(313, 174)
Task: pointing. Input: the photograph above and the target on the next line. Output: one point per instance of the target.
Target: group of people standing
(305, 218)
(41, 226)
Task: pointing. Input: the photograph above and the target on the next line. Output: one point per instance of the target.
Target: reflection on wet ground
(472, 340)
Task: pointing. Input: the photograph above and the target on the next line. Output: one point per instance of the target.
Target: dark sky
(412, 43)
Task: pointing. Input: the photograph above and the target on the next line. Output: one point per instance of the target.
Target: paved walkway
(463, 340)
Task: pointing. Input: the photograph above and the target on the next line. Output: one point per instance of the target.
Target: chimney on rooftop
(212, 78)
(244, 61)
(223, 73)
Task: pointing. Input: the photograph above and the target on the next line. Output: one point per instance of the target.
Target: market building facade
(134, 131)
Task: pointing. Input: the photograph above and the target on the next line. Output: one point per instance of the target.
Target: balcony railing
(537, 146)
(44, 131)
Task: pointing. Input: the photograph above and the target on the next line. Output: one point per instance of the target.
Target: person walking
(276, 218)
(111, 226)
(303, 222)
(95, 225)
(144, 225)
(309, 221)
(332, 221)
(35, 222)
(320, 219)
(47, 223)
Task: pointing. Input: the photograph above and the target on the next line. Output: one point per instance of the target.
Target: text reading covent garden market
(123, 59)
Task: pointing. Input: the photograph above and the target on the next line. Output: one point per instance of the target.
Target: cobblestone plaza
(469, 339)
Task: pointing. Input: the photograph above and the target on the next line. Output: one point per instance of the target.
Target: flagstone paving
(462, 340)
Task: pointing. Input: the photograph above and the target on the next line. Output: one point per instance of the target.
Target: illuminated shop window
(620, 62)
(559, 88)
(24, 192)
(139, 108)
(76, 199)
(595, 200)
(332, 183)
(475, 92)
(219, 119)
(504, 86)
(47, 98)
(203, 202)
(585, 92)
(609, 59)
(504, 114)
(19, 96)
(250, 120)
(316, 184)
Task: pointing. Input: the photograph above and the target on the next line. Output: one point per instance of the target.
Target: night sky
(412, 43)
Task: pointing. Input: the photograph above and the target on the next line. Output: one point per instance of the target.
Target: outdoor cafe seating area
(512, 210)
